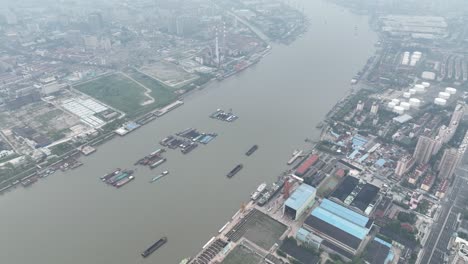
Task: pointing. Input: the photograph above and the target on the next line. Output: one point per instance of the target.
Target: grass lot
(126, 95)
(162, 94)
(46, 117)
(241, 254)
(327, 185)
(264, 231)
(117, 91)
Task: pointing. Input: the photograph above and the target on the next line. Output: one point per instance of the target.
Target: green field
(241, 254)
(117, 91)
(327, 185)
(162, 95)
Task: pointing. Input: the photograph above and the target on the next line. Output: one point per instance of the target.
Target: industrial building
(339, 226)
(379, 252)
(300, 200)
(305, 166)
(308, 238)
(424, 27)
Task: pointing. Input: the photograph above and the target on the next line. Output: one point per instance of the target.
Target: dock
(296, 155)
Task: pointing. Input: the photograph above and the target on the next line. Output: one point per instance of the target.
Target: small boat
(185, 261)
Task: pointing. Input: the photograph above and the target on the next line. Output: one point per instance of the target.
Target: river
(73, 218)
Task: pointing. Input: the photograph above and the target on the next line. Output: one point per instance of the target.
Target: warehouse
(339, 226)
(300, 200)
(305, 166)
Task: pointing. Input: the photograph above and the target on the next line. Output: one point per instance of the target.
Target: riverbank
(196, 198)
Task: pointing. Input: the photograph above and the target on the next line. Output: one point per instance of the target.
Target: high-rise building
(448, 163)
(359, 106)
(424, 149)
(374, 108)
(443, 134)
(404, 165)
(458, 114)
(438, 142)
(91, 42)
(95, 21)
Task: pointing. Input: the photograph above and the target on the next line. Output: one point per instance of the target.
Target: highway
(443, 229)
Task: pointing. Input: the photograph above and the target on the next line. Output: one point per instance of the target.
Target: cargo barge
(296, 155)
(110, 175)
(120, 176)
(29, 181)
(164, 173)
(166, 140)
(124, 181)
(150, 158)
(188, 148)
(154, 247)
(157, 163)
(234, 171)
(251, 150)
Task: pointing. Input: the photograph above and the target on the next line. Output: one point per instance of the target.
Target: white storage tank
(450, 90)
(406, 94)
(440, 101)
(414, 102)
(419, 88)
(444, 95)
(405, 105)
(412, 91)
(399, 109)
(391, 105)
(426, 84)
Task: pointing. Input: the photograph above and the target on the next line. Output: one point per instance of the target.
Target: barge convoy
(151, 158)
(224, 116)
(234, 171)
(154, 247)
(187, 140)
(118, 178)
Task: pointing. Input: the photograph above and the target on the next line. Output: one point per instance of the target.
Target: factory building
(379, 252)
(305, 166)
(339, 226)
(300, 200)
(308, 238)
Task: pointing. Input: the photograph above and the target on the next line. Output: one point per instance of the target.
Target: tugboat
(154, 247)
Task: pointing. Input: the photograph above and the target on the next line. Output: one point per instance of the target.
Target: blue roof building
(301, 199)
(339, 225)
(344, 213)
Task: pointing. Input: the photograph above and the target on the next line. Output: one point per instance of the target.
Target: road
(436, 246)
